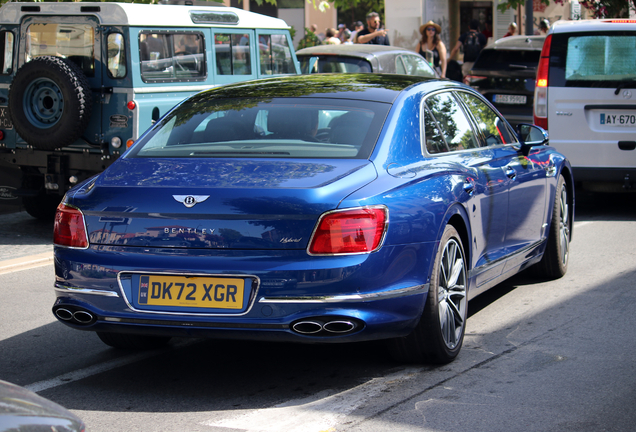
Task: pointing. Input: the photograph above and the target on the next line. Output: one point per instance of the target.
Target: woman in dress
(431, 41)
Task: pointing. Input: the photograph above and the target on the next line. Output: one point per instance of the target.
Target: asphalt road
(538, 356)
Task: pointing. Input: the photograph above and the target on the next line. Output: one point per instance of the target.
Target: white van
(585, 96)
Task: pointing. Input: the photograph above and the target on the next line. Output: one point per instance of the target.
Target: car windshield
(266, 128)
(507, 60)
(333, 63)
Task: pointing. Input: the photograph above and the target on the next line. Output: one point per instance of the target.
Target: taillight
(540, 111)
(69, 228)
(471, 79)
(351, 231)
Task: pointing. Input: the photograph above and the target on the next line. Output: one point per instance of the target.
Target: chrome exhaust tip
(327, 326)
(339, 326)
(83, 317)
(307, 327)
(64, 314)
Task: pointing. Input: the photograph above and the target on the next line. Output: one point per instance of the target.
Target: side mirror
(531, 135)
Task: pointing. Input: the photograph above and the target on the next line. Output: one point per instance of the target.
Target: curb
(32, 261)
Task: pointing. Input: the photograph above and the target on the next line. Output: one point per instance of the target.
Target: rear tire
(42, 207)
(133, 341)
(439, 335)
(554, 263)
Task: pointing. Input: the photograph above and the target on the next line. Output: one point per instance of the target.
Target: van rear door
(592, 101)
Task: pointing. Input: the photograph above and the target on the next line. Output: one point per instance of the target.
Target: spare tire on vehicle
(50, 102)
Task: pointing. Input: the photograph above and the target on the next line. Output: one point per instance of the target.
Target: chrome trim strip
(250, 302)
(479, 270)
(67, 289)
(348, 298)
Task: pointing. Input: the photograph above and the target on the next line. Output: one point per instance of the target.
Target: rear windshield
(75, 42)
(336, 64)
(593, 59)
(266, 128)
(507, 60)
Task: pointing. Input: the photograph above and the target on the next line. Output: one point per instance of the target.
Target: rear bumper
(376, 296)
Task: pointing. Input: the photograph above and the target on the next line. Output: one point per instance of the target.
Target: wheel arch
(457, 217)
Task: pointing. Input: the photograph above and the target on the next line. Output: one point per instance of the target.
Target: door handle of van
(627, 145)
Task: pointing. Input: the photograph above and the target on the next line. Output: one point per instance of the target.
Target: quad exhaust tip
(327, 326)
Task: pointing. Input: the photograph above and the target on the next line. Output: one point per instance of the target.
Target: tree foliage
(350, 11)
(598, 8)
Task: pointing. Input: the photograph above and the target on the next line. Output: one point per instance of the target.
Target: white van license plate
(510, 99)
(617, 119)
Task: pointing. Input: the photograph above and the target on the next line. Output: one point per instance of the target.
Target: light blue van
(81, 81)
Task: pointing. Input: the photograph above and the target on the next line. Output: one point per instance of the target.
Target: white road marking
(24, 263)
(87, 372)
(316, 413)
(101, 367)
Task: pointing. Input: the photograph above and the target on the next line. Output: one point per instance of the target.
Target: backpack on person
(472, 47)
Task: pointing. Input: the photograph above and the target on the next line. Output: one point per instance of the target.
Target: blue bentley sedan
(322, 208)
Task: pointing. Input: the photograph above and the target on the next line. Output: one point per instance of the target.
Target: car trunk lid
(218, 203)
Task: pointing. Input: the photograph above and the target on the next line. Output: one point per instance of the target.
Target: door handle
(511, 173)
(469, 186)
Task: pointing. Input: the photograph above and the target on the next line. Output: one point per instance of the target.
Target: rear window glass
(507, 60)
(335, 64)
(593, 59)
(75, 42)
(266, 128)
(601, 58)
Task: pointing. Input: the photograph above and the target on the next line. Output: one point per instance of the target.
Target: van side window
(6, 53)
(275, 55)
(75, 42)
(172, 57)
(116, 56)
(232, 54)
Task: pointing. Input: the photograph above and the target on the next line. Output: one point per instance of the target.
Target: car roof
(518, 43)
(607, 24)
(372, 87)
(146, 15)
(353, 50)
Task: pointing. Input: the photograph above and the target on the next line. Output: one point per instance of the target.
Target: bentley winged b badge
(190, 200)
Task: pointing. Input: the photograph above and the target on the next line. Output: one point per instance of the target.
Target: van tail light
(540, 108)
(69, 228)
(352, 231)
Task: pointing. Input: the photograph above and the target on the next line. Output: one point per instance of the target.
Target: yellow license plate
(196, 292)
